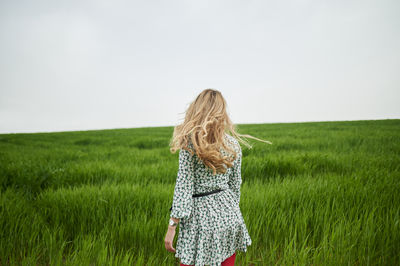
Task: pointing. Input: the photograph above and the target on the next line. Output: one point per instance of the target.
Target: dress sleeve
(182, 202)
(235, 178)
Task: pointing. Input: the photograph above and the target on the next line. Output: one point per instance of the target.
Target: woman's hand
(169, 238)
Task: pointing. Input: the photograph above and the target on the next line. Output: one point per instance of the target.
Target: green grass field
(324, 193)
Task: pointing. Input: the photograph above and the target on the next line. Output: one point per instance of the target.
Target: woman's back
(204, 180)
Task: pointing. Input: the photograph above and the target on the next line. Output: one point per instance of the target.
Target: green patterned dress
(211, 227)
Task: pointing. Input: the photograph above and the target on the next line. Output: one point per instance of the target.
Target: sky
(95, 64)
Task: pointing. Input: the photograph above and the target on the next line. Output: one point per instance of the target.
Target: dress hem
(212, 263)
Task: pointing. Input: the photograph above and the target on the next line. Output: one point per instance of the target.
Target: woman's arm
(235, 179)
(182, 202)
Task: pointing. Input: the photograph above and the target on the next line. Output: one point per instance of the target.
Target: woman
(207, 190)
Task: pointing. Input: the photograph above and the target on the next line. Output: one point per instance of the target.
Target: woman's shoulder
(234, 142)
(189, 148)
(232, 139)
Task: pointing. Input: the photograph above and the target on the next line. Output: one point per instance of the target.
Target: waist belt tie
(203, 194)
(206, 193)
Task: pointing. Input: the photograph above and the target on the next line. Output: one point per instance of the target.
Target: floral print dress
(211, 227)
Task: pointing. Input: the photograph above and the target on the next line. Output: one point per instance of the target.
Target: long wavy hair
(206, 121)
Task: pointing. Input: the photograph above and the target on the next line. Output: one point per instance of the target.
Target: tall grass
(325, 193)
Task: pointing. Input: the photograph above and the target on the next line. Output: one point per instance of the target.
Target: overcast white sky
(96, 64)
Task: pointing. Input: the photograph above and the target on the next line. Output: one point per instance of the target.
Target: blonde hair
(206, 121)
